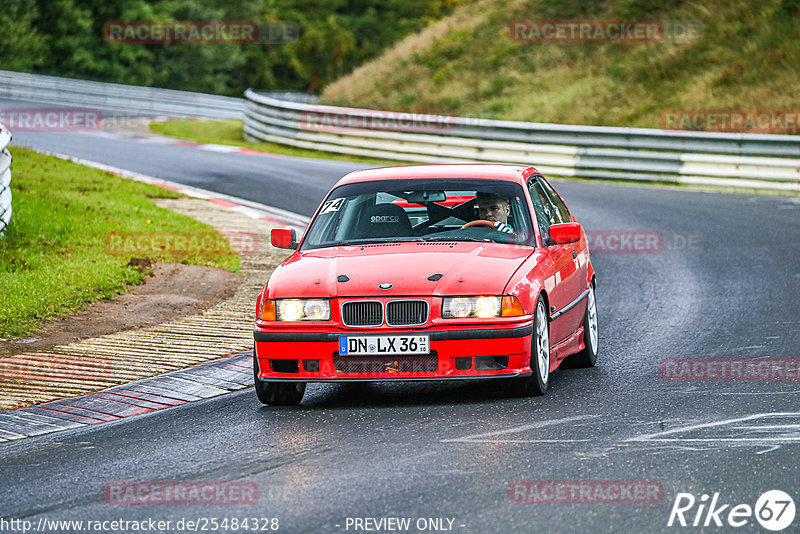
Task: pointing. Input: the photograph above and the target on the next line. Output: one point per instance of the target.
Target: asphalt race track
(724, 283)
(292, 187)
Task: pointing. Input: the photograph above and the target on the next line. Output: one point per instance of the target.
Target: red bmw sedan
(429, 272)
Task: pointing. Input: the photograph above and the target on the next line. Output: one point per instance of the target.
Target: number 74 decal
(332, 205)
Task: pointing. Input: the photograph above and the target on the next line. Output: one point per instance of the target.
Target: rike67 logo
(774, 510)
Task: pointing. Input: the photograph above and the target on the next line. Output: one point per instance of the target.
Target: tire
(536, 383)
(277, 393)
(588, 356)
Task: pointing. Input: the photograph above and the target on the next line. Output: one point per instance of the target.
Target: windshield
(422, 210)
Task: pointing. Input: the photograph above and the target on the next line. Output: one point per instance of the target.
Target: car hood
(466, 268)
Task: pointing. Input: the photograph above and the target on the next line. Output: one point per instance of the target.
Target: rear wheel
(536, 383)
(588, 356)
(277, 393)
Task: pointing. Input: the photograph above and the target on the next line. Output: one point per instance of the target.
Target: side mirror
(283, 238)
(564, 233)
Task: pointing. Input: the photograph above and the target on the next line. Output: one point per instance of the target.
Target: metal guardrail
(743, 160)
(5, 179)
(117, 97)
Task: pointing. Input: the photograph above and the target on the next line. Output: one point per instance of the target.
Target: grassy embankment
(746, 58)
(64, 246)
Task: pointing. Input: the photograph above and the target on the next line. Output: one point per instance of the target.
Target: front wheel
(277, 393)
(536, 384)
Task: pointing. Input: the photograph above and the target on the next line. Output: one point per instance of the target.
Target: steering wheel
(479, 222)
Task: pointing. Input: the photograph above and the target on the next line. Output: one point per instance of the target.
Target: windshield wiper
(459, 238)
(368, 240)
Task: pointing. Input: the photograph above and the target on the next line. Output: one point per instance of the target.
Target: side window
(545, 211)
(563, 212)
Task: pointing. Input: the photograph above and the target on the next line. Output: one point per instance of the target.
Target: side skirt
(562, 349)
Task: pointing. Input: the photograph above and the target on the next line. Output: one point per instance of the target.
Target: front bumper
(483, 351)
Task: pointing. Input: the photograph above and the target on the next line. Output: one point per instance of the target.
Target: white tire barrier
(5, 179)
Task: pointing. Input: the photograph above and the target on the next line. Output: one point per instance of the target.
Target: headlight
(463, 307)
(481, 306)
(303, 310)
(295, 310)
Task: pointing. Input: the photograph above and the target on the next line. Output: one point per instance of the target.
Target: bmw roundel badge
(385, 285)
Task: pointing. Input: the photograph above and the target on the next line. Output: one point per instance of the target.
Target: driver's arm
(496, 225)
(502, 227)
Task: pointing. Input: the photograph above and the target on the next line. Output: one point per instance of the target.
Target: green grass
(468, 64)
(59, 251)
(229, 132)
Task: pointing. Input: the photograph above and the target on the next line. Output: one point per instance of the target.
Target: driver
(493, 211)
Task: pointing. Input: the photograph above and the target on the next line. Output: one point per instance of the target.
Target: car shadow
(394, 394)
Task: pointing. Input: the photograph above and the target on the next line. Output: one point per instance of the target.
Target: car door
(575, 275)
(563, 279)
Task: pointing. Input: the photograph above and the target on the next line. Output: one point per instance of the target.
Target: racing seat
(384, 220)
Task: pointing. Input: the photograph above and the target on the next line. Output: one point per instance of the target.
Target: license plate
(389, 345)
